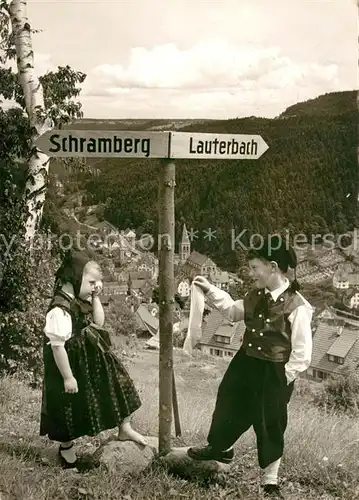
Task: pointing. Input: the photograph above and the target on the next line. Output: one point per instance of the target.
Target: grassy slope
(320, 461)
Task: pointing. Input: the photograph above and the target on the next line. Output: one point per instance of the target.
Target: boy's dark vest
(268, 330)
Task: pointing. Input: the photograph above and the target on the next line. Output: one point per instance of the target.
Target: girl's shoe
(65, 463)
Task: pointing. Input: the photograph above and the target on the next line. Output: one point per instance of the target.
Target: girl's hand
(98, 290)
(71, 385)
(202, 282)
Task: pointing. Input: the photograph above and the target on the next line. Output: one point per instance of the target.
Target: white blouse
(58, 327)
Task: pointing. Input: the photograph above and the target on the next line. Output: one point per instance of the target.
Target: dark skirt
(253, 392)
(106, 393)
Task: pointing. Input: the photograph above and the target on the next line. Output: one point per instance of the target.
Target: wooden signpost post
(166, 240)
(166, 146)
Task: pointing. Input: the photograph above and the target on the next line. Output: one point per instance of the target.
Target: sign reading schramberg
(122, 144)
(217, 146)
(99, 143)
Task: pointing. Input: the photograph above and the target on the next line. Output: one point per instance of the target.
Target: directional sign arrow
(130, 144)
(100, 143)
(217, 146)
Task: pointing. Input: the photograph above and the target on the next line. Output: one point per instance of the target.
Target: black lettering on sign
(229, 147)
(91, 146)
(103, 145)
(128, 145)
(53, 138)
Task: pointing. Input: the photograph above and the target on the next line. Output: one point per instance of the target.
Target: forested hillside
(307, 181)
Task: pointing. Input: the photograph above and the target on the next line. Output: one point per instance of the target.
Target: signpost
(167, 146)
(104, 144)
(166, 301)
(171, 145)
(217, 146)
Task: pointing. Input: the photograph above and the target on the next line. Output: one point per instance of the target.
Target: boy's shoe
(209, 453)
(272, 491)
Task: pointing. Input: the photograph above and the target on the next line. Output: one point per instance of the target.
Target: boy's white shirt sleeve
(302, 342)
(58, 327)
(221, 300)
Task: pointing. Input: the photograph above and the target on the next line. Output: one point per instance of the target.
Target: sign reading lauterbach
(99, 143)
(244, 147)
(122, 144)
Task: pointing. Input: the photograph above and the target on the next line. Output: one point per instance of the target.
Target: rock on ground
(178, 462)
(125, 457)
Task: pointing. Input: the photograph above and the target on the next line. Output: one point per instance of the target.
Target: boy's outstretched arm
(221, 300)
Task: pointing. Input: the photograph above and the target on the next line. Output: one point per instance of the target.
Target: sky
(198, 59)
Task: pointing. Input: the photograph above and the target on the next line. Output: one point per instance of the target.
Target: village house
(335, 345)
(143, 290)
(115, 288)
(140, 283)
(105, 300)
(139, 275)
(220, 337)
(350, 298)
(192, 263)
(147, 322)
(183, 287)
(198, 264)
(325, 314)
(130, 236)
(220, 280)
(150, 268)
(233, 279)
(345, 280)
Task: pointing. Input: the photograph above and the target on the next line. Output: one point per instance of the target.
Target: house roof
(113, 284)
(342, 345)
(199, 259)
(216, 323)
(138, 284)
(325, 313)
(105, 299)
(353, 279)
(225, 330)
(326, 341)
(352, 293)
(146, 320)
(147, 289)
(185, 270)
(106, 226)
(139, 275)
(151, 307)
(221, 277)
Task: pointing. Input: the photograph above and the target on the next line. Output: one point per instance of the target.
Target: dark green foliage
(26, 269)
(179, 300)
(21, 327)
(340, 393)
(301, 183)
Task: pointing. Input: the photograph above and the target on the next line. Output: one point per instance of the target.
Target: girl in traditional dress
(276, 348)
(86, 388)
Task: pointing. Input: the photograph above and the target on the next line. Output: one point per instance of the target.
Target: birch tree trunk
(38, 165)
